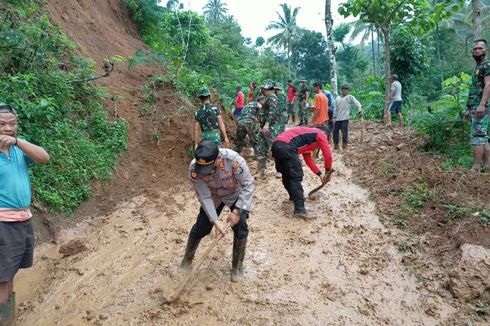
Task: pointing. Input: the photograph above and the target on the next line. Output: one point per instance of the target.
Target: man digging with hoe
(220, 177)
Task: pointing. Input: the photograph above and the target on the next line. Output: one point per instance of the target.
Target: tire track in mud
(340, 269)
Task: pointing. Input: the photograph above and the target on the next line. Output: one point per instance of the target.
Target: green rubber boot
(7, 311)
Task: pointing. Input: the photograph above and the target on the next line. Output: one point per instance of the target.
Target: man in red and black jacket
(286, 149)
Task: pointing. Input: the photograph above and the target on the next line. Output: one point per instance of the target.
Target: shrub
(40, 76)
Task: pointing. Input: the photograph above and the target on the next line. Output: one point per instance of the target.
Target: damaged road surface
(342, 268)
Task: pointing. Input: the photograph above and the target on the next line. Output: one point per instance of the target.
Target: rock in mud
(471, 276)
(72, 247)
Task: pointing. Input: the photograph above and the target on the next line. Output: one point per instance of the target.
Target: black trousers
(289, 165)
(203, 225)
(344, 127)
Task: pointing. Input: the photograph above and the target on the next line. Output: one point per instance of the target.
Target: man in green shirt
(477, 106)
(209, 121)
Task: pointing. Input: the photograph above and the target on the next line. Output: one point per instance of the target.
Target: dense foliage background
(43, 79)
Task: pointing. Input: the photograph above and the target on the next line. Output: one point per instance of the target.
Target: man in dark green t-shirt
(477, 106)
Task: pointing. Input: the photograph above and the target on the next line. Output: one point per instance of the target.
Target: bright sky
(254, 15)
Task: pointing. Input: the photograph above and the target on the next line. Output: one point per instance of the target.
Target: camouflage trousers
(212, 135)
(264, 143)
(303, 112)
(479, 128)
(250, 128)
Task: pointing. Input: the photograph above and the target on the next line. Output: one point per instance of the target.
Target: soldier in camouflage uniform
(208, 121)
(303, 96)
(268, 118)
(248, 125)
(477, 106)
(282, 112)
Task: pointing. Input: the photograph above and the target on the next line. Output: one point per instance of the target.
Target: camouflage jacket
(282, 111)
(475, 93)
(303, 89)
(250, 112)
(207, 116)
(268, 113)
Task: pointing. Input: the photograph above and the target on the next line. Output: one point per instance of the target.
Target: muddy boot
(7, 311)
(304, 214)
(261, 167)
(293, 118)
(336, 147)
(238, 256)
(344, 146)
(190, 251)
(300, 210)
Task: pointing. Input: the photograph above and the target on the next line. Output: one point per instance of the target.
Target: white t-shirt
(397, 87)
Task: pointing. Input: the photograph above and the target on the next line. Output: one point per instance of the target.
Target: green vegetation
(204, 50)
(39, 75)
(413, 200)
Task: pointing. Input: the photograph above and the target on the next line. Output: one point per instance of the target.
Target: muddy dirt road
(341, 269)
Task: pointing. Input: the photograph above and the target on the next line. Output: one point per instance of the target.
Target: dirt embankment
(443, 214)
(158, 135)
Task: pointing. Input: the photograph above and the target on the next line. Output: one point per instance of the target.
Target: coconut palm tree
(367, 31)
(215, 10)
(462, 23)
(287, 29)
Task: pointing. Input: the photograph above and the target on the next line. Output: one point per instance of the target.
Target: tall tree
(286, 25)
(215, 11)
(476, 6)
(386, 15)
(331, 46)
(309, 56)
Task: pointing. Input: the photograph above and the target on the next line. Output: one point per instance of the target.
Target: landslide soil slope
(102, 29)
(340, 269)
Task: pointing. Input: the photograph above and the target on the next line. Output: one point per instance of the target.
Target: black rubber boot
(190, 251)
(238, 256)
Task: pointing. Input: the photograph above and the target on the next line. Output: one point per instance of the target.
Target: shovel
(322, 185)
(180, 289)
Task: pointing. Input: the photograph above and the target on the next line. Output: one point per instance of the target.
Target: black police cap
(205, 155)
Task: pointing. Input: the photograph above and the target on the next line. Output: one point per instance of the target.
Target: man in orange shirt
(320, 108)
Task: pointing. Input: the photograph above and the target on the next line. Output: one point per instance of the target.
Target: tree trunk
(331, 47)
(289, 57)
(386, 35)
(372, 50)
(476, 6)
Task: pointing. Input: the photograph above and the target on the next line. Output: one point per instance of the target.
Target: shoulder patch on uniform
(193, 174)
(221, 164)
(237, 168)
